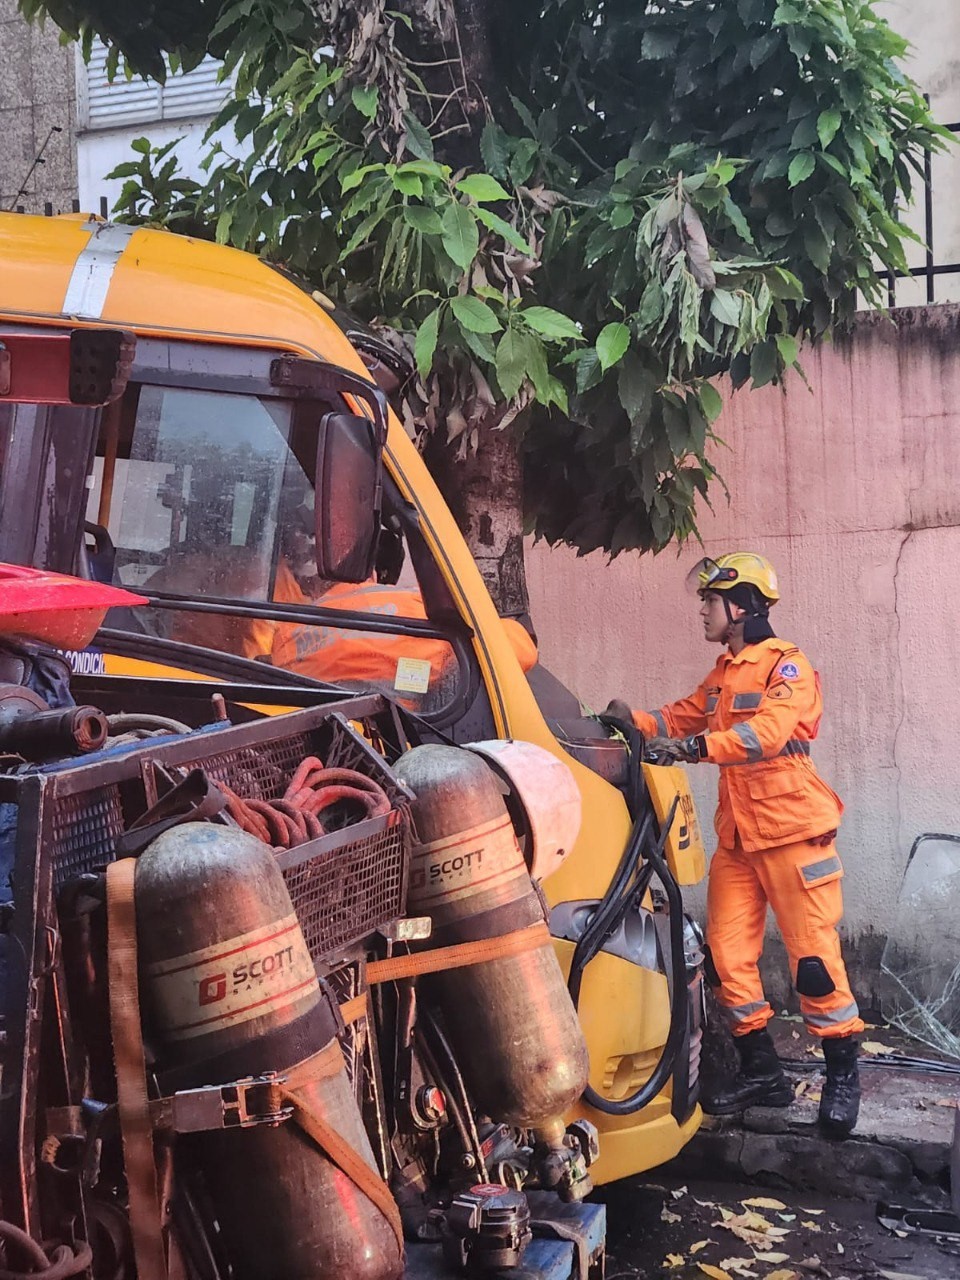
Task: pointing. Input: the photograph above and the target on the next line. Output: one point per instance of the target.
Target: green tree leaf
(482, 188)
(419, 142)
(612, 342)
(423, 219)
(801, 167)
(426, 342)
(711, 402)
(474, 315)
(763, 363)
(552, 324)
(461, 239)
(494, 150)
(512, 236)
(788, 348)
(828, 125)
(511, 363)
(366, 99)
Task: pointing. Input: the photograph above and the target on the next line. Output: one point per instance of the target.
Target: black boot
(760, 1082)
(840, 1099)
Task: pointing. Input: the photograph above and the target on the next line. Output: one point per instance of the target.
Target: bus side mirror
(348, 496)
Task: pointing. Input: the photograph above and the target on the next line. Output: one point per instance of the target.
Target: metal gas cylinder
(513, 1027)
(230, 991)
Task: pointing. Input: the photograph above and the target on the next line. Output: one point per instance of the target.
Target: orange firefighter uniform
(776, 819)
(344, 655)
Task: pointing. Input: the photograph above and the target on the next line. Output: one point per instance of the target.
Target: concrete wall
(853, 490)
(37, 91)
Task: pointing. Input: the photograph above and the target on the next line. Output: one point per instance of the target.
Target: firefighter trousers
(801, 882)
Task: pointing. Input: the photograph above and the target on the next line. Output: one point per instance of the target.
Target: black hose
(620, 897)
(678, 995)
(611, 909)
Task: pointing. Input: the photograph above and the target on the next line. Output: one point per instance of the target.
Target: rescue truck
(333, 935)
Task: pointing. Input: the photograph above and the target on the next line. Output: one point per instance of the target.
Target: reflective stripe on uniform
(746, 701)
(741, 1012)
(817, 870)
(794, 747)
(748, 736)
(662, 729)
(711, 703)
(831, 1016)
(93, 271)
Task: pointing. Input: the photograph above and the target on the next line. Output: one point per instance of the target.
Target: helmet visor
(707, 575)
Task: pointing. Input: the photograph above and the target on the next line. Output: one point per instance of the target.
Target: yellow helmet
(738, 568)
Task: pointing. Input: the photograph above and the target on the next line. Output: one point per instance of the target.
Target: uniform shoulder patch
(788, 671)
(780, 692)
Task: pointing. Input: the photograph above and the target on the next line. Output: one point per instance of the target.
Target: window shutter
(190, 95)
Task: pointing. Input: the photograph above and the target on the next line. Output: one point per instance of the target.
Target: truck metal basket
(343, 885)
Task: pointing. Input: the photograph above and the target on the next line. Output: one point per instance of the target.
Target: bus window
(208, 495)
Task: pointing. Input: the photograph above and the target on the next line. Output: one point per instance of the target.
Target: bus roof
(70, 270)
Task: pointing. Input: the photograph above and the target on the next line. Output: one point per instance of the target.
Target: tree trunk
(485, 494)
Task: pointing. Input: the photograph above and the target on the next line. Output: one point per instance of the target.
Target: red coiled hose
(304, 812)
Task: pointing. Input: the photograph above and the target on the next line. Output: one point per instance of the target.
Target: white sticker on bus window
(413, 675)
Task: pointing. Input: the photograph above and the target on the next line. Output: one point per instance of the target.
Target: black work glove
(618, 708)
(689, 750)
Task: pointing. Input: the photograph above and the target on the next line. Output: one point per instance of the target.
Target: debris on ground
(662, 1232)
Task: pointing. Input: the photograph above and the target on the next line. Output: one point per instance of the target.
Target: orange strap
(353, 1010)
(329, 1062)
(132, 1102)
(460, 954)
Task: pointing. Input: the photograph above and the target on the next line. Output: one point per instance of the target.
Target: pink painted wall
(853, 490)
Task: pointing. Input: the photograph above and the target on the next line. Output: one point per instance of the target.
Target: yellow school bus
(243, 403)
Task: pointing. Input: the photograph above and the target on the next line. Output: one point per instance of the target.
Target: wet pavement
(660, 1227)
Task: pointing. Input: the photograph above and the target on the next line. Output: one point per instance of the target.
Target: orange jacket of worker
(760, 710)
(345, 655)
(337, 655)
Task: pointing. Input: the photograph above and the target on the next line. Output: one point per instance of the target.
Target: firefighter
(755, 715)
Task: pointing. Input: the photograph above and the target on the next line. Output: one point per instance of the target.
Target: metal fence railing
(931, 268)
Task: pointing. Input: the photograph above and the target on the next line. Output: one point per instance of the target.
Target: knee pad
(813, 978)
(710, 969)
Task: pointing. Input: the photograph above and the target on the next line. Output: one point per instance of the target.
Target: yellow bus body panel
(177, 287)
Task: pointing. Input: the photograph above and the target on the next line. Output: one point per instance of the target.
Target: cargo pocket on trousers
(777, 809)
(821, 870)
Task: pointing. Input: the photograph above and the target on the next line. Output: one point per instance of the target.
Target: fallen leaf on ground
(714, 1272)
(809, 1264)
(740, 1266)
(701, 1244)
(751, 1228)
(784, 1275)
(795, 1034)
(773, 1257)
(673, 1260)
(764, 1202)
(875, 1048)
(840, 1248)
(815, 1212)
(787, 1217)
(899, 1275)
(705, 1204)
(811, 1226)
(667, 1216)
(946, 1102)
(680, 1191)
